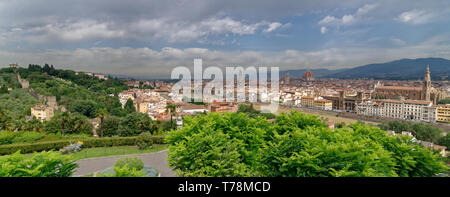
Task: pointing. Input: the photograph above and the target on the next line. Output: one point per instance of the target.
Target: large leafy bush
(295, 145)
(8, 137)
(124, 171)
(131, 162)
(126, 167)
(144, 141)
(44, 164)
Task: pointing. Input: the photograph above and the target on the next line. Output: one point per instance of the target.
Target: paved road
(156, 160)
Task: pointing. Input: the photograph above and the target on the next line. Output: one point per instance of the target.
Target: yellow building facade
(443, 113)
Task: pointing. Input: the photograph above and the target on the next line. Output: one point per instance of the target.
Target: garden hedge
(87, 143)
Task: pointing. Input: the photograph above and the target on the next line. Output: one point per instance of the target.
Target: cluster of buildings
(154, 102)
(418, 110)
(145, 101)
(157, 85)
(407, 100)
(46, 110)
(42, 112)
(407, 103)
(98, 75)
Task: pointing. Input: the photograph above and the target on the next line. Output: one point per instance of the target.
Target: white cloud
(328, 20)
(365, 9)
(147, 29)
(323, 30)
(416, 17)
(272, 27)
(347, 19)
(158, 63)
(78, 31)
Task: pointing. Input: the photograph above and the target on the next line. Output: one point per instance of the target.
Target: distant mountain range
(318, 73)
(404, 69)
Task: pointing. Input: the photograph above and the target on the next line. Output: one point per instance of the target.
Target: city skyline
(149, 38)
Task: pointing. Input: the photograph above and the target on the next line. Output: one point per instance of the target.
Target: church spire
(427, 74)
(426, 85)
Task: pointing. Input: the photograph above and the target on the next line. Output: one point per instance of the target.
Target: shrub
(124, 171)
(44, 164)
(295, 145)
(134, 124)
(110, 126)
(144, 141)
(72, 148)
(130, 162)
(59, 144)
(9, 137)
(35, 147)
(6, 137)
(159, 140)
(27, 137)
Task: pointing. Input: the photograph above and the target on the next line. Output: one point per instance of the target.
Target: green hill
(404, 69)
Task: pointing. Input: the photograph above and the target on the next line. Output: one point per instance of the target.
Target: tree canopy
(295, 145)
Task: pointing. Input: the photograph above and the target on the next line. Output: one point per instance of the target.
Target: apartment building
(307, 101)
(418, 110)
(42, 112)
(323, 104)
(443, 113)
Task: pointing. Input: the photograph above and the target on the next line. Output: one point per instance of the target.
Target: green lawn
(115, 150)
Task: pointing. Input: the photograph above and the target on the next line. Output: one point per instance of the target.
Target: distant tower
(427, 85)
(287, 79)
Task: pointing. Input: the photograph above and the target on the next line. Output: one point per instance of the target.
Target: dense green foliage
(131, 162)
(126, 167)
(295, 145)
(44, 164)
(84, 96)
(111, 126)
(124, 171)
(17, 104)
(144, 141)
(80, 93)
(217, 145)
(129, 107)
(421, 131)
(444, 101)
(134, 124)
(252, 112)
(445, 141)
(61, 143)
(8, 80)
(73, 124)
(8, 137)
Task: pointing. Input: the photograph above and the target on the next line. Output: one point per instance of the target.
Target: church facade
(426, 92)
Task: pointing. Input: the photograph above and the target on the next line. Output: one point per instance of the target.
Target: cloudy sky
(149, 38)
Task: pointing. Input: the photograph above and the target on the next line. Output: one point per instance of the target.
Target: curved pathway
(156, 160)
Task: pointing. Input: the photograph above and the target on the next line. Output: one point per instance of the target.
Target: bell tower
(426, 89)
